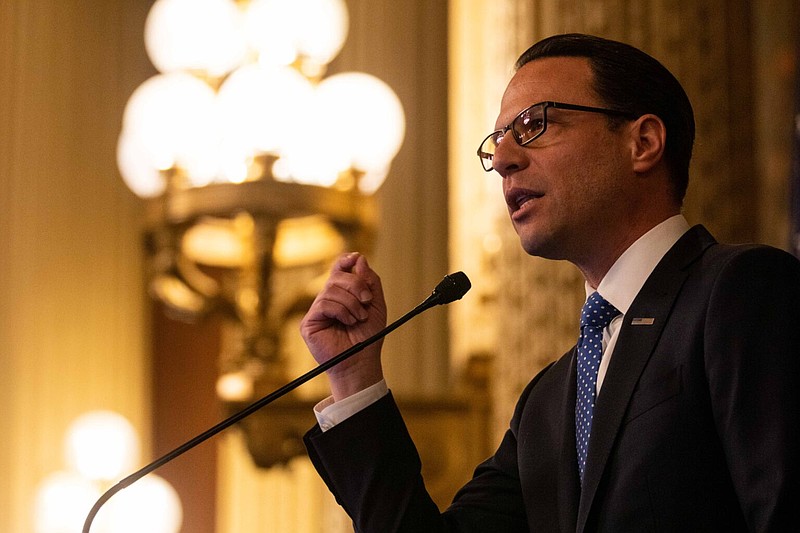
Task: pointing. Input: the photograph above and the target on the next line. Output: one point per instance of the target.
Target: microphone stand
(451, 288)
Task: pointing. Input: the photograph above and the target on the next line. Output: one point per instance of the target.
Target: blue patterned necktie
(597, 314)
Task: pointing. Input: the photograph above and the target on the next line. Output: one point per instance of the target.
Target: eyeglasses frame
(546, 104)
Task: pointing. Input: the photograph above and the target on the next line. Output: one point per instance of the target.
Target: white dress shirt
(619, 287)
(626, 277)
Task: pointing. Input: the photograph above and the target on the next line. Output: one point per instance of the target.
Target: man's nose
(509, 157)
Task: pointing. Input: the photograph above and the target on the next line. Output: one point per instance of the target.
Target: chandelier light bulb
(323, 34)
(138, 173)
(281, 31)
(269, 27)
(214, 242)
(62, 501)
(102, 445)
(313, 163)
(173, 120)
(235, 387)
(261, 106)
(369, 119)
(151, 504)
(201, 36)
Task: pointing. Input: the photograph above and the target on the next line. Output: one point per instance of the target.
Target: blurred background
(170, 296)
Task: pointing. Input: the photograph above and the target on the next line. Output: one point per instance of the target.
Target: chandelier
(256, 167)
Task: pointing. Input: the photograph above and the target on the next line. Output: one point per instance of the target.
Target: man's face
(566, 190)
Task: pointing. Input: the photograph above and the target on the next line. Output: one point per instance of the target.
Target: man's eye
(531, 123)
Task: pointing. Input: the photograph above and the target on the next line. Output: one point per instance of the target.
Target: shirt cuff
(330, 413)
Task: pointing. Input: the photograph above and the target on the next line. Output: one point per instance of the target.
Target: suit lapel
(568, 483)
(633, 349)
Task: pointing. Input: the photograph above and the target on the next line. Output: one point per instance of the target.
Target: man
(681, 414)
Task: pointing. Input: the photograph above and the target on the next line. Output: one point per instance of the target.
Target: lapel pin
(642, 321)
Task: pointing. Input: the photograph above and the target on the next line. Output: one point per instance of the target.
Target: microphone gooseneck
(450, 289)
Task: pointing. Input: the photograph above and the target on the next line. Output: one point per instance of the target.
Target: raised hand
(349, 309)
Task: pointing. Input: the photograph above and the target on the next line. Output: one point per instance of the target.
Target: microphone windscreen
(452, 288)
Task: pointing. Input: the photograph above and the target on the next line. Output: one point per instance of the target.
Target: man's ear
(648, 140)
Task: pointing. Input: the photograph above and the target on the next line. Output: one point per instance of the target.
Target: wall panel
(72, 324)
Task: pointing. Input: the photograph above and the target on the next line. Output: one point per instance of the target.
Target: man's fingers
(338, 303)
(332, 310)
(351, 273)
(374, 288)
(345, 262)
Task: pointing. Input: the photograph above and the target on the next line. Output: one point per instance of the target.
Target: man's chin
(538, 244)
(539, 248)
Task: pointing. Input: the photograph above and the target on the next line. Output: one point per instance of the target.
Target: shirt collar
(628, 274)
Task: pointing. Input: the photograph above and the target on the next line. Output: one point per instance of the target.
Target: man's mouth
(517, 198)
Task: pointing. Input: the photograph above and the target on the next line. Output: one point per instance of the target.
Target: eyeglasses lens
(526, 126)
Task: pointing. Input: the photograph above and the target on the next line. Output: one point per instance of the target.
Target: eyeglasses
(530, 124)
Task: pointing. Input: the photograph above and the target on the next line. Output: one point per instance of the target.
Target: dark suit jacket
(696, 428)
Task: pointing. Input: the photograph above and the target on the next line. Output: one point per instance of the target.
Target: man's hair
(625, 78)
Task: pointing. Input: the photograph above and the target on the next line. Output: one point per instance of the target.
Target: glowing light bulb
(369, 121)
(102, 445)
(137, 171)
(150, 504)
(282, 31)
(203, 36)
(62, 502)
(262, 106)
(174, 122)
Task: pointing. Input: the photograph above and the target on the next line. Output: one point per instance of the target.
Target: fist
(349, 309)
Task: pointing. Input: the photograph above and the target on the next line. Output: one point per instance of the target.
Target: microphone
(450, 289)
